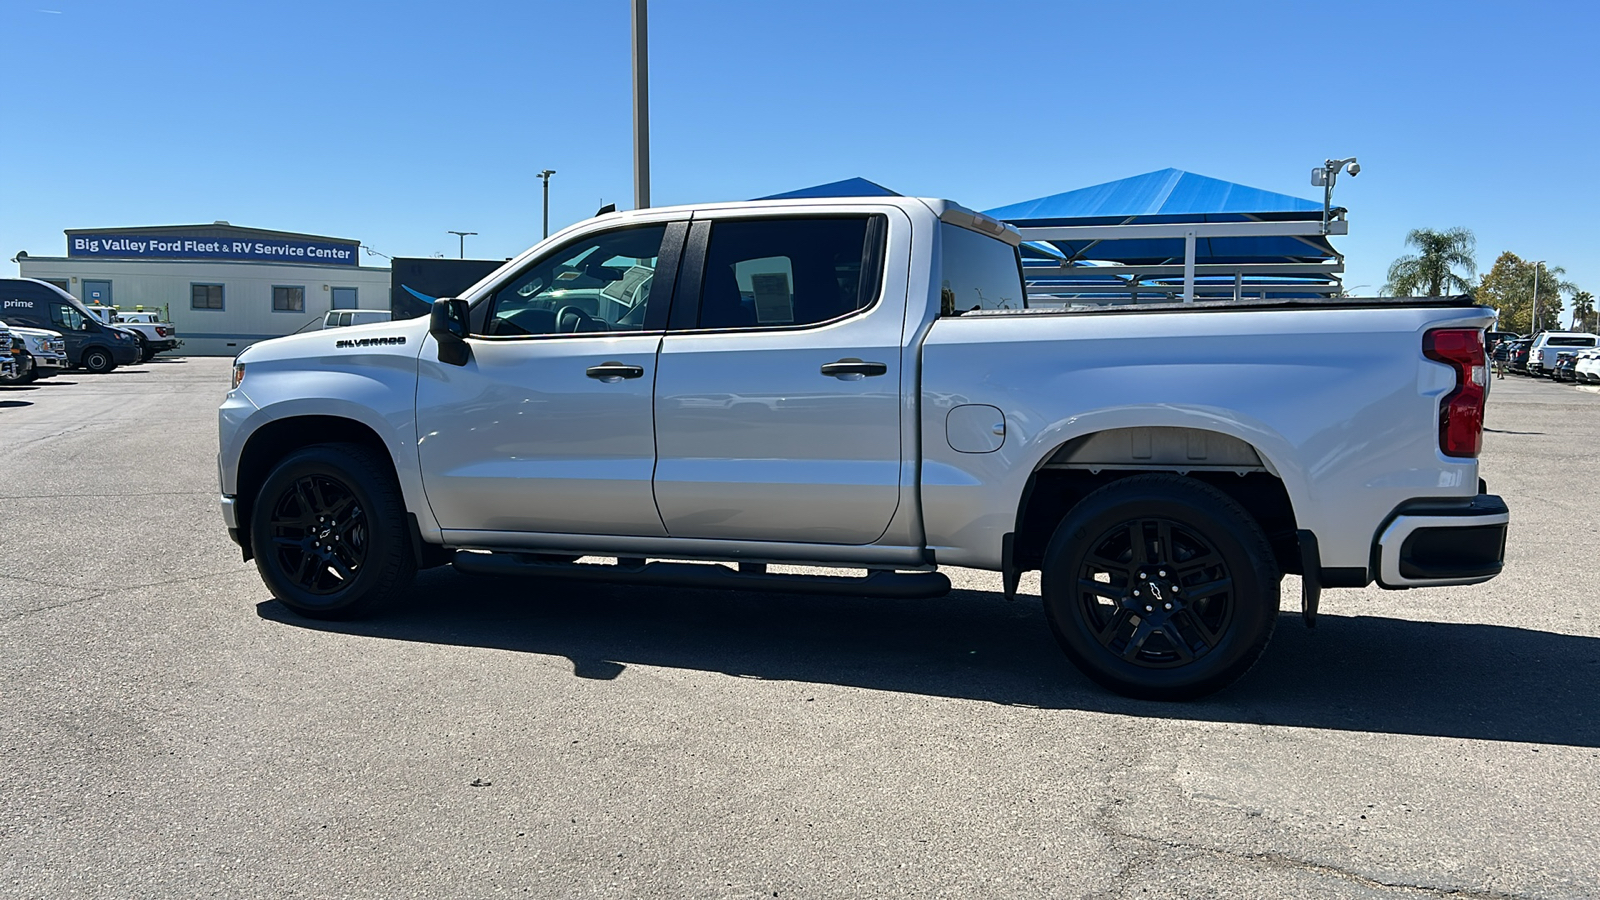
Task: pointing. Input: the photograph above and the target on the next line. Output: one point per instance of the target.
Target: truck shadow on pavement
(1361, 673)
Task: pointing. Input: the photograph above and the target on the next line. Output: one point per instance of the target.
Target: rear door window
(978, 272)
(778, 273)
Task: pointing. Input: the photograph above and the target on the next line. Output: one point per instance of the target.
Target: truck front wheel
(1161, 587)
(328, 532)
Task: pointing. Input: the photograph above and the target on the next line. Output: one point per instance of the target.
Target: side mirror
(448, 325)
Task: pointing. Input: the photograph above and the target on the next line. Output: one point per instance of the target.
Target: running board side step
(894, 585)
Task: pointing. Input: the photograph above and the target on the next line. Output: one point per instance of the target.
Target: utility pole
(463, 236)
(1533, 327)
(545, 177)
(641, 109)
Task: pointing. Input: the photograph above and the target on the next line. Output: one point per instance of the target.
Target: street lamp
(1325, 175)
(545, 177)
(463, 236)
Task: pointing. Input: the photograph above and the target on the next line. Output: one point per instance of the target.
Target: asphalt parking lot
(167, 729)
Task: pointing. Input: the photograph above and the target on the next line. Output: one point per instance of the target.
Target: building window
(60, 283)
(345, 298)
(205, 296)
(288, 299)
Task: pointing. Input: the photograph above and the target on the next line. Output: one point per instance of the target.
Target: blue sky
(393, 122)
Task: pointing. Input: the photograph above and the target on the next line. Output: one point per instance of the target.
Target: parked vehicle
(90, 344)
(1546, 344)
(10, 353)
(1519, 356)
(855, 383)
(154, 336)
(1563, 369)
(344, 318)
(45, 353)
(1587, 368)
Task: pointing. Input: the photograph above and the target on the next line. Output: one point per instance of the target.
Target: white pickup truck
(856, 384)
(154, 336)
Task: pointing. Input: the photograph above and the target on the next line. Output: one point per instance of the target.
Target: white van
(338, 318)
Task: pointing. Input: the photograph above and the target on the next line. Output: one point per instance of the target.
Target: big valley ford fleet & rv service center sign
(176, 246)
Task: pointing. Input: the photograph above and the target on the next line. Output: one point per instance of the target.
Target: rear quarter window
(978, 272)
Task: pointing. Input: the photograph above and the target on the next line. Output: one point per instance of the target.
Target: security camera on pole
(1325, 175)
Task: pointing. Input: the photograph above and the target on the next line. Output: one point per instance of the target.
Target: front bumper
(126, 353)
(1431, 543)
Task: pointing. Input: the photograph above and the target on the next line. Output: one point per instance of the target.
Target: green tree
(1432, 269)
(1583, 311)
(1508, 287)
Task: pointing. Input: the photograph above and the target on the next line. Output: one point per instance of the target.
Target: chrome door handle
(612, 372)
(852, 366)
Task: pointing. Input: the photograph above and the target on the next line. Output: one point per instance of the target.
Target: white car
(1587, 370)
(1549, 344)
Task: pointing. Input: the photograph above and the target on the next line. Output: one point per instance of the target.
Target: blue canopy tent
(1102, 243)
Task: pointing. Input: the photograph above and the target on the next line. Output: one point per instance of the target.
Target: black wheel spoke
(296, 543)
(1141, 546)
(1207, 636)
(1165, 553)
(1101, 588)
(1119, 620)
(1197, 564)
(1208, 589)
(1136, 641)
(305, 572)
(1180, 645)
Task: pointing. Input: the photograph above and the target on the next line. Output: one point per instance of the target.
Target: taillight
(1461, 410)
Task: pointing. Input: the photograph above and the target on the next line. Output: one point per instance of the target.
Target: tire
(1205, 607)
(316, 566)
(97, 360)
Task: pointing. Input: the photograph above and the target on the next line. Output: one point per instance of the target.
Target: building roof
(212, 229)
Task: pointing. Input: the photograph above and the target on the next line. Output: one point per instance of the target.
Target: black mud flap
(1310, 577)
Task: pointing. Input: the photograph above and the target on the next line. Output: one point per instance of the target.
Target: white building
(223, 287)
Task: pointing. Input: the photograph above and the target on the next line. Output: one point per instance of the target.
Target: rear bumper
(1430, 543)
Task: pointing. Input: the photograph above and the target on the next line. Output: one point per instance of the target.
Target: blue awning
(1172, 196)
(850, 187)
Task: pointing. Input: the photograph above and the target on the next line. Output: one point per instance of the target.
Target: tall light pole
(463, 236)
(641, 109)
(545, 177)
(1533, 327)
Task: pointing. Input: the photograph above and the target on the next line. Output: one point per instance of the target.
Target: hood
(400, 338)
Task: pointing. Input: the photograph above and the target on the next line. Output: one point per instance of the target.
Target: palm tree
(1582, 309)
(1431, 271)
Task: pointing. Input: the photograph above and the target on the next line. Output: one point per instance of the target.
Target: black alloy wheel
(1161, 587)
(328, 533)
(98, 360)
(319, 533)
(1155, 592)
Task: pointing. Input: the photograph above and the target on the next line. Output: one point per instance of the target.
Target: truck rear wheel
(98, 360)
(1160, 587)
(328, 532)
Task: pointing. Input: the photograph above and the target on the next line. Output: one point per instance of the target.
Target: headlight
(238, 375)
